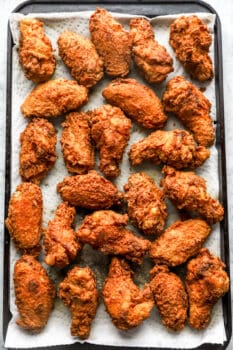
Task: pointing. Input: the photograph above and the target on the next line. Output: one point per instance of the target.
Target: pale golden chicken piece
(152, 59)
(110, 130)
(79, 293)
(112, 42)
(137, 101)
(35, 51)
(188, 191)
(80, 56)
(206, 282)
(34, 294)
(105, 231)
(54, 98)
(191, 106)
(126, 303)
(146, 204)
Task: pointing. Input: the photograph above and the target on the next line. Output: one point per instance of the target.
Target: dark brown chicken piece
(111, 131)
(105, 231)
(125, 302)
(206, 282)
(34, 294)
(79, 293)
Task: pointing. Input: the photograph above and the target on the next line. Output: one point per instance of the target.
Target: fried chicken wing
(105, 231)
(112, 43)
(111, 131)
(125, 302)
(146, 205)
(206, 282)
(150, 57)
(191, 39)
(190, 105)
(35, 51)
(186, 190)
(34, 294)
(79, 293)
(137, 101)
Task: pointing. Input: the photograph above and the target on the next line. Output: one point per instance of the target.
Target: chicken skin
(80, 56)
(111, 131)
(188, 191)
(112, 43)
(25, 217)
(105, 231)
(35, 51)
(79, 293)
(190, 40)
(179, 242)
(151, 58)
(77, 148)
(34, 294)
(146, 205)
(190, 105)
(206, 282)
(170, 297)
(176, 148)
(125, 302)
(38, 150)
(137, 101)
(54, 98)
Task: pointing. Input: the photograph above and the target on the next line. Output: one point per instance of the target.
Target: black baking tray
(149, 8)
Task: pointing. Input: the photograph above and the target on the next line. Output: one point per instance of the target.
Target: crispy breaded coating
(80, 56)
(137, 101)
(126, 303)
(35, 51)
(79, 293)
(206, 282)
(111, 132)
(105, 231)
(112, 42)
(179, 242)
(25, 217)
(54, 98)
(191, 106)
(34, 294)
(175, 147)
(146, 204)
(170, 297)
(151, 58)
(77, 148)
(188, 191)
(190, 39)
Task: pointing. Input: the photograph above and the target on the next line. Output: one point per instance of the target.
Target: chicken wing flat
(152, 59)
(77, 148)
(34, 294)
(206, 282)
(146, 205)
(190, 105)
(54, 98)
(137, 101)
(24, 218)
(179, 242)
(80, 56)
(105, 231)
(112, 43)
(79, 293)
(35, 51)
(111, 131)
(191, 39)
(176, 148)
(125, 302)
(170, 297)
(186, 190)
